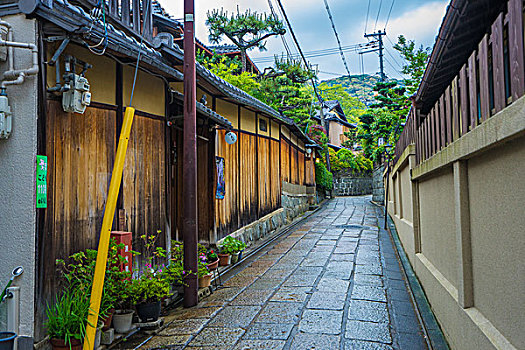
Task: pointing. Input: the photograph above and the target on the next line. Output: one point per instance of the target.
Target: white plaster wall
(17, 179)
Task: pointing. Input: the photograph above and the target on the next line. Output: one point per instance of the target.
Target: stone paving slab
(326, 285)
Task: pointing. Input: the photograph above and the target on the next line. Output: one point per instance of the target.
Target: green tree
(416, 60)
(247, 30)
(352, 107)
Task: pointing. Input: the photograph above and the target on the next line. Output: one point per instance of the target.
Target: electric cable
(138, 56)
(337, 38)
(389, 12)
(378, 12)
(299, 48)
(395, 60)
(367, 14)
(285, 44)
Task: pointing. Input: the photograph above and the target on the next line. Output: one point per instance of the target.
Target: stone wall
(352, 184)
(378, 186)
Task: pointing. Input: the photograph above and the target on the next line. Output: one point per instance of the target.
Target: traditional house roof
(224, 49)
(464, 25)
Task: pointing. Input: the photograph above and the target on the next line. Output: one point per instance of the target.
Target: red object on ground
(125, 238)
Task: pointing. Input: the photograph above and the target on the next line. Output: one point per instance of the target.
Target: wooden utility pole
(189, 174)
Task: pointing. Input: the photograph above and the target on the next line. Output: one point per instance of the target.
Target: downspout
(13, 76)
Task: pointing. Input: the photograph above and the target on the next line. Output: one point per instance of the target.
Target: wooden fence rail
(491, 79)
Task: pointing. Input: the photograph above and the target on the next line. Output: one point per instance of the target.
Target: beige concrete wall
(496, 196)
(275, 130)
(248, 120)
(465, 207)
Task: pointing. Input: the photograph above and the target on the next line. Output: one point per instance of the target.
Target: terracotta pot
(60, 344)
(122, 320)
(107, 320)
(205, 281)
(224, 259)
(149, 312)
(235, 258)
(213, 265)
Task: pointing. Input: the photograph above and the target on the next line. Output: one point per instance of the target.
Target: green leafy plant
(78, 273)
(67, 316)
(211, 256)
(323, 178)
(153, 284)
(231, 245)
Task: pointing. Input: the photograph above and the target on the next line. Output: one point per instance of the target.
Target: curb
(433, 334)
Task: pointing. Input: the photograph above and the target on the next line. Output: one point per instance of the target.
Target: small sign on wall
(41, 181)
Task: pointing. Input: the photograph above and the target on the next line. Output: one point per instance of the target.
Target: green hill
(359, 86)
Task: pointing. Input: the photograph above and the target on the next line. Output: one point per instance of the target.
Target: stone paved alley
(332, 283)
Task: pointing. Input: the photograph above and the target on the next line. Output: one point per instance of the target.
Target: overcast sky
(416, 19)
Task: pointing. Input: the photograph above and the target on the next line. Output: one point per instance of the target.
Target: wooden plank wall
(80, 150)
(254, 168)
(310, 171)
(227, 209)
(144, 181)
(491, 78)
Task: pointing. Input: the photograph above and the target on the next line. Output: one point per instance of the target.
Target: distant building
(337, 123)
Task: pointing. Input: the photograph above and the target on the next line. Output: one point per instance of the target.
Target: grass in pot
(67, 319)
(232, 246)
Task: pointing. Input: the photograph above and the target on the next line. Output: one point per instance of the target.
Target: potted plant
(152, 286)
(232, 246)
(203, 273)
(7, 340)
(212, 260)
(78, 274)
(67, 319)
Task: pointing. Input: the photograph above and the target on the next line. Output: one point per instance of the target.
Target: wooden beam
(498, 64)
(517, 67)
(483, 57)
(463, 100)
(472, 90)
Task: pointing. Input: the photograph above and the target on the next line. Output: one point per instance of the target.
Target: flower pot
(235, 258)
(213, 265)
(240, 255)
(7, 340)
(60, 344)
(205, 281)
(224, 259)
(122, 320)
(148, 312)
(98, 334)
(107, 320)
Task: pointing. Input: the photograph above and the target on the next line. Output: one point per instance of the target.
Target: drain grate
(352, 226)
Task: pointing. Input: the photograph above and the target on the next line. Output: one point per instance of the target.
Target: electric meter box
(5, 118)
(78, 97)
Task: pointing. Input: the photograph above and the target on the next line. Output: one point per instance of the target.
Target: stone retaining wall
(352, 184)
(378, 188)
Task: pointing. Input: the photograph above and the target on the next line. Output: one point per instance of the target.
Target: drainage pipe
(17, 76)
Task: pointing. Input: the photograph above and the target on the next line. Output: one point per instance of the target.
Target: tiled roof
(201, 108)
(222, 49)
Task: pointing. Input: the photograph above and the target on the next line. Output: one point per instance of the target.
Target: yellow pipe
(105, 232)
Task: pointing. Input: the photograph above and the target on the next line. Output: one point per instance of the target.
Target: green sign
(41, 181)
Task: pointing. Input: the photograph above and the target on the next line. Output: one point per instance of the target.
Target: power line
(392, 56)
(337, 38)
(367, 13)
(285, 44)
(389, 12)
(320, 53)
(378, 12)
(298, 47)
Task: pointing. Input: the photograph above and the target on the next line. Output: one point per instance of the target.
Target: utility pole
(379, 37)
(189, 172)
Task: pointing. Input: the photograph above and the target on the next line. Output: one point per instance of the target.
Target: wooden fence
(491, 79)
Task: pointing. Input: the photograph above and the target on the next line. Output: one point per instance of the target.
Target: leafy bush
(323, 178)
(231, 245)
(346, 159)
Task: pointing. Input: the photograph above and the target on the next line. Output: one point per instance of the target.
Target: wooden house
(268, 173)
(336, 121)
